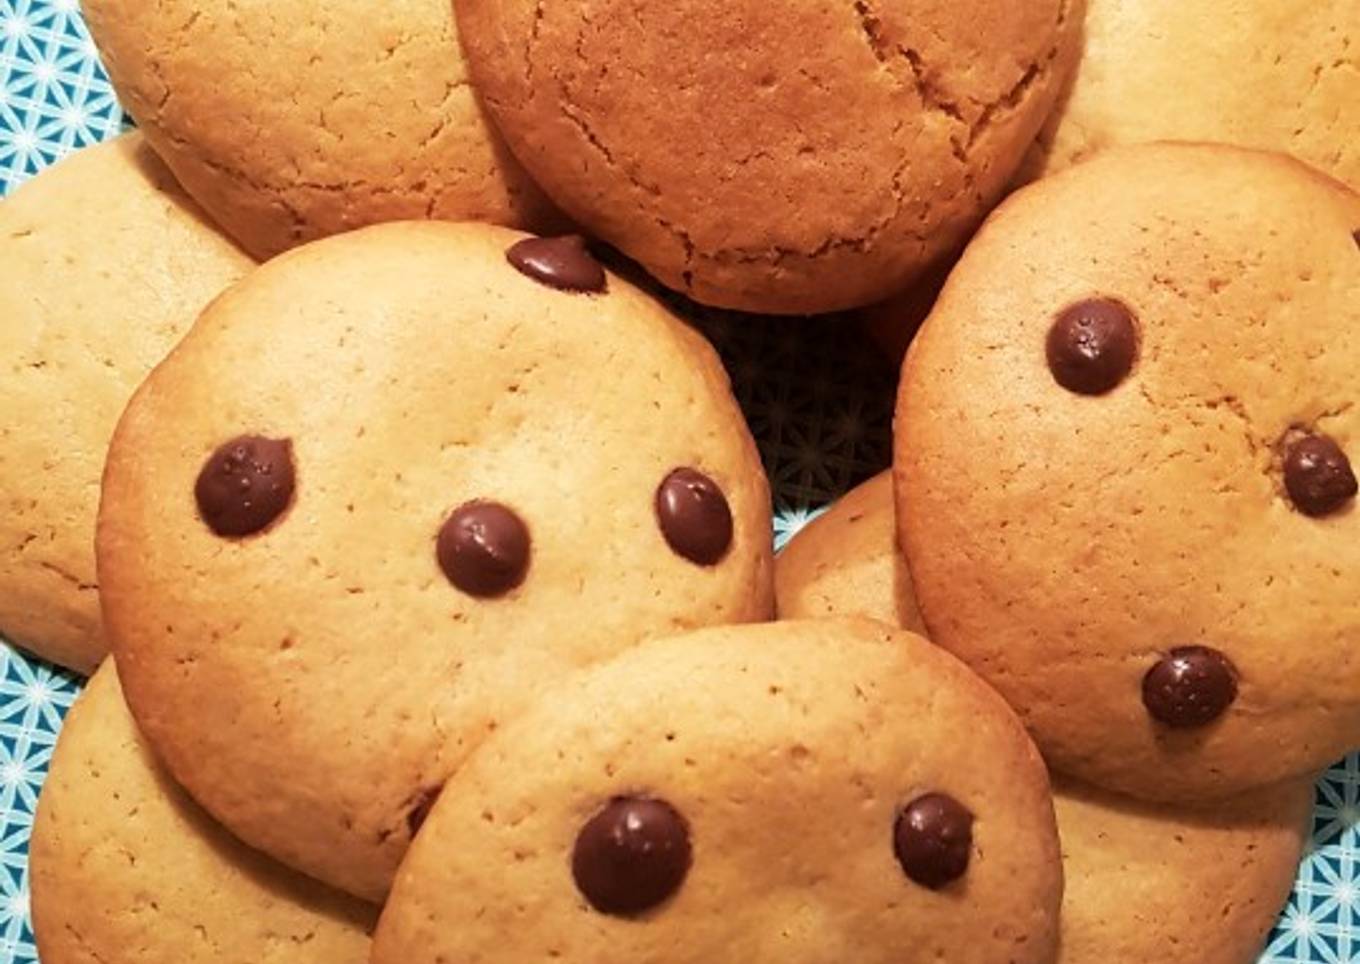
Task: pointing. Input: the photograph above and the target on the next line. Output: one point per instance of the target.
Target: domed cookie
(1101, 482)
(846, 562)
(106, 264)
(1177, 885)
(1277, 76)
(694, 801)
(392, 483)
(782, 158)
(125, 867)
(292, 121)
(1144, 882)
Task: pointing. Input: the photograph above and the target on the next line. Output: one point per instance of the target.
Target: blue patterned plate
(819, 403)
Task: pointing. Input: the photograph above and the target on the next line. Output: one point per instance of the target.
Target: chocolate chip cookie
(106, 264)
(1123, 468)
(389, 486)
(126, 868)
(1144, 882)
(291, 121)
(689, 136)
(798, 792)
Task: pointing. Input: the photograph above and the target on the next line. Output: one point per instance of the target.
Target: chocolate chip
(420, 811)
(245, 485)
(933, 840)
(694, 516)
(483, 548)
(631, 856)
(1318, 475)
(1092, 345)
(1189, 687)
(564, 263)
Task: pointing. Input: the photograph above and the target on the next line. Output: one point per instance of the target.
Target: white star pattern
(33, 699)
(819, 402)
(56, 97)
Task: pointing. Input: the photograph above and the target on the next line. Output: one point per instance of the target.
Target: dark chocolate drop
(1190, 686)
(933, 840)
(483, 549)
(631, 856)
(694, 516)
(246, 485)
(1092, 345)
(1318, 475)
(564, 263)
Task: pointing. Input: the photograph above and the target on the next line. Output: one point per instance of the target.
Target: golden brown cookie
(291, 121)
(842, 562)
(1177, 885)
(782, 158)
(1144, 882)
(1122, 481)
(391, 484)
(126, 868)
(694, 801)
(106, 263)
(1283, 75)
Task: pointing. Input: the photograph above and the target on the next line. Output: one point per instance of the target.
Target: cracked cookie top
(1282, 76)
(1124, 481)
(783, 158)
(388, 486)
(292, 121)
(802, 791)
(106, 263)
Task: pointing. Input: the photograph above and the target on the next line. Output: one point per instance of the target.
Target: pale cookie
(1281, 75)
(1177, 885)
(125, 868)
(1122, 480)
(106, 264)
(290, 121)
(1144, 882)
(391, 484)
(800, 792)
(787, 158)
(846, 562)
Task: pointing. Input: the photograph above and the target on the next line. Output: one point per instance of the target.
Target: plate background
(819, 402)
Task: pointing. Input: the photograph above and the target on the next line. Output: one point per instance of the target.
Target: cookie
(293, 121)
(693, 801)
(1144, 882)
(1121, 469)
(1177, 885)
(391, 484)
(843, 561)
(687, 136)
(126, 868)
(106, 264)
(1274, 76)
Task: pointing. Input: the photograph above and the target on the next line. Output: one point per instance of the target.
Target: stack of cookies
(421, 554)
